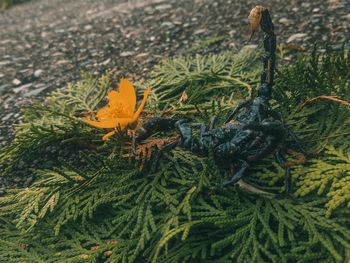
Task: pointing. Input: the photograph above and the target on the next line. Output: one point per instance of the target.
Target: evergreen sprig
(330, 175)
(93, 205)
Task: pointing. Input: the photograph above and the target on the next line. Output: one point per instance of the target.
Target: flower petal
(140, 109)
(127, 96)
(118, 123)
(106, 136)
(108, 123)
(117, 104)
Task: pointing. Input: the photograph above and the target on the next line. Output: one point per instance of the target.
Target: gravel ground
(46, 43)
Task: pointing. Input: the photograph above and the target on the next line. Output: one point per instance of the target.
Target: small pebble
(284, 21)
(7, 117)
(62, 62)
(3, 88)
(106, 62)
(35, 92)
(296, 37)
(16, 82)
(199, 31)
(167, 24)
(142, 55)
(306, 5)
(88, 27)
(21, 88)
(162, 7)
(38, 73)
(250, 46)
(5, 63)
(126, 54)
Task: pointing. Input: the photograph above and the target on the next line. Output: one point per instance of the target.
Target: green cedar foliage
(92, 205)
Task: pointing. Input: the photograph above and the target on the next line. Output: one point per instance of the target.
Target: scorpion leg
(155, 125)
(234, 146)
(151, 126)
(269, 128)
(290, 132)
(296, 141)
(241, 104)
(185, 130)
(158, 155)
(237, 176)
(288, 178)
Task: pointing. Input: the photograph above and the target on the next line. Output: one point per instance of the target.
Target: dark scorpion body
(251, 132)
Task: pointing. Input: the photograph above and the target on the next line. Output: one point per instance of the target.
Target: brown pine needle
(331, 98)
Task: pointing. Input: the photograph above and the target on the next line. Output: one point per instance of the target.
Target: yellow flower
(120, 111)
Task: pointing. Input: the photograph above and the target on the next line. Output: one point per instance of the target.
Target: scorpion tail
(269, 58)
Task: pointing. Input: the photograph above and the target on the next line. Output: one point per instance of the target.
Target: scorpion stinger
(251, 132)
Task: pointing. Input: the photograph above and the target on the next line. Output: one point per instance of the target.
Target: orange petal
(106, 136)
(116, 102)
(127, 96)
(143, 102)
(108, 111)
(118, 123)
(102, 124)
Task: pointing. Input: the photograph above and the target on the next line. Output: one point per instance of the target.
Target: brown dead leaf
(112, 242)
(78, 178)
(95, 248)
(184, 97)
(107, 253)
(84, 256)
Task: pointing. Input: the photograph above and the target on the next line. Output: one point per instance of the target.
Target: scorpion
(252, 131)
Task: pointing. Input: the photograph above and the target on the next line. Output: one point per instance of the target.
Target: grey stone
(3, 88)
(126, 54)
(16, 82)
(88, 27)
(21, 88)
(199, 31)
(5, 63)
(35, 92)
(284, 21)
(62, 62)
(167, 24)
(7, 116)
(250, 46)
(142, 55)
(39, 85)
(162, 7)
(306, 5)
(38, 73)
(25, 70)
(296, 37)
